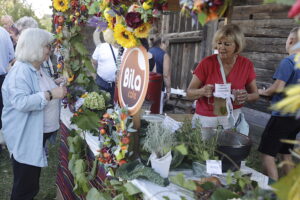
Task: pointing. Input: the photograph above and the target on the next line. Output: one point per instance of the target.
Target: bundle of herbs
(199, 150)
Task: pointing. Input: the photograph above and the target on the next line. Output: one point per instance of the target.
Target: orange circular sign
(134, 78)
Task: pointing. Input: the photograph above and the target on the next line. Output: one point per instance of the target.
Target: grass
(47, 179)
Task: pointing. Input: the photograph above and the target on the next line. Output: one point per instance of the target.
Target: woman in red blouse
(238, 72)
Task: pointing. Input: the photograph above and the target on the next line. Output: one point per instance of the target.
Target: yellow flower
(147, 5)
(61, 5)
(124, 37)
(142, 31)
(70, 79)
(297, 60)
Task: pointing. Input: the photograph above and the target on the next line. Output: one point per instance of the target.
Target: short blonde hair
(30, 46)
(233, 32)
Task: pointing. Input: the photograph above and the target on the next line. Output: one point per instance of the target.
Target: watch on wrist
(50, 94)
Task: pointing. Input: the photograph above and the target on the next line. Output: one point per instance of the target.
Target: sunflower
(61, 5)
(142, 31)
(124, 37)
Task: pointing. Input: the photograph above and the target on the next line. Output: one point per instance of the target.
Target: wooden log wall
(266, 28)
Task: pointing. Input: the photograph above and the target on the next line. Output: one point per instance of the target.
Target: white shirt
(106, 68)
(51, 111)
(6, 50)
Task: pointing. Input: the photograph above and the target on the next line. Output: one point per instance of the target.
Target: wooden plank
(175, 22)
(179, 57)
(184, 65)
(263, 8)
(265, 28)
(185, 40)
(181, 23)
(264, 75)
(184, 34)
(188, 24)
(255, 16)
(264, 44)
(271, 65)
(171, 22)
(264, 56)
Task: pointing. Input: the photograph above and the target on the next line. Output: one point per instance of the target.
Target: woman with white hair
(23, 113)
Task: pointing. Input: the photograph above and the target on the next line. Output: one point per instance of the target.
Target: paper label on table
(171, 124)
(214, 167)
(222, 90)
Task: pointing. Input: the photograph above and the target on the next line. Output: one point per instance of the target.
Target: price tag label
(171, 124)
(223, 89)
(214, 167)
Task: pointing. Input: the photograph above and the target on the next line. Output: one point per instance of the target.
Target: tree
(18, 9)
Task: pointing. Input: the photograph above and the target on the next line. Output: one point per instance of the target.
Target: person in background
(23, 113)
(280, 126)
(238, 70)
(162, 66)
(7, 54)
(26, 22)
(105, 60)
(8, 23)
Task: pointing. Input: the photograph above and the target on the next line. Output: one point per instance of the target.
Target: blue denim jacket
(22, 115)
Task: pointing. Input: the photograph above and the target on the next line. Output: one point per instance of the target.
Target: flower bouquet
(114, 134)
(125, 22)
(204, 10)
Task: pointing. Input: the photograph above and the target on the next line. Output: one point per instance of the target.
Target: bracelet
(50, 94)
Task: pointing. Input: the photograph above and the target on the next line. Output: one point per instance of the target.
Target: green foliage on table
(135, 169)
(198, 149)
(182, 182)
(223, 194)
(124, 191)
(159, 139)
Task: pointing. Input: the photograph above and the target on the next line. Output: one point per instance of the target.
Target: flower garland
(115, 128)
(126, 21)
(204, 10)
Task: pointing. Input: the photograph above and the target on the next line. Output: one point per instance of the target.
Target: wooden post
(136, 119)
(229, 14)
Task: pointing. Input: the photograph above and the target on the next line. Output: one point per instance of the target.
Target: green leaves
(81, 48)
(202, 18)
(94, 8)
(131, 189)
(182, 149)
(223, 194)
(94, 194)
(87, 120)
(187, 184)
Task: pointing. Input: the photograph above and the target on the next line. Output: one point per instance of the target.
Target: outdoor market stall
(97, 153)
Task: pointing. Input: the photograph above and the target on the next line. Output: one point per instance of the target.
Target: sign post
(133, 85)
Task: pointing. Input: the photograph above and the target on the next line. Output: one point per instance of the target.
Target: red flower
(133, 19)
(218, 2)
(295, 10)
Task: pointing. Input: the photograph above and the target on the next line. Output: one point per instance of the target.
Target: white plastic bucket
(161, 165)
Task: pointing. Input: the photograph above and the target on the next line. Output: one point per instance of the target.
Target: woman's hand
(240, 96)
(207, 90)
(59, 92)
(60, 81)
